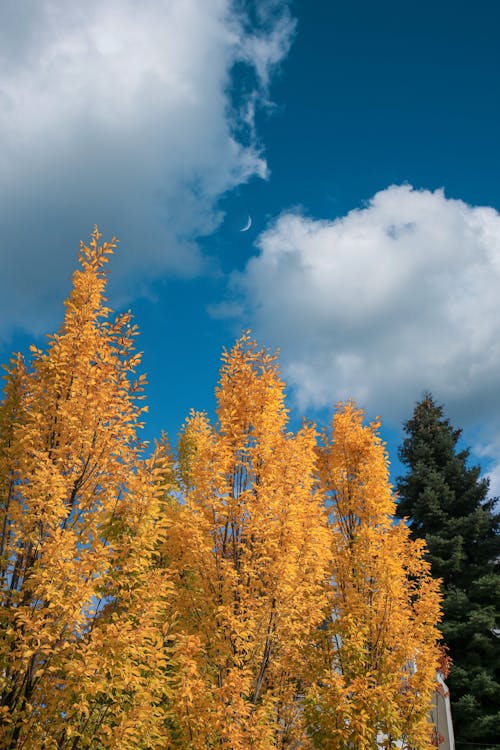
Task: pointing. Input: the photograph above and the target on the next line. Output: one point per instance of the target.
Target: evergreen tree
(446, 503)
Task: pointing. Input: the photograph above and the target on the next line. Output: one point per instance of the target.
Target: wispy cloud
(118, 113)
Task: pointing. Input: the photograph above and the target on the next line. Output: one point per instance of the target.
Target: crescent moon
(247, 225)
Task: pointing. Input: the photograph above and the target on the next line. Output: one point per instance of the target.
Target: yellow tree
(249, 546)
(377, 657)
(82, 598)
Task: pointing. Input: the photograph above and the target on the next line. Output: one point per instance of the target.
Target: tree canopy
(249, 591)
(447, 504)
(377, 656)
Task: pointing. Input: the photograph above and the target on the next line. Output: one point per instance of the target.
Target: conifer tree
(250, 548)
(446, 503)
(82, 600)
(377, 656)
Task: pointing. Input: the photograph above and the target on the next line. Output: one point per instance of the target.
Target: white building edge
(439, 718)
(441, 715)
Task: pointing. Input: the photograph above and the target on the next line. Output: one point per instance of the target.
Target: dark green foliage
(446, 504)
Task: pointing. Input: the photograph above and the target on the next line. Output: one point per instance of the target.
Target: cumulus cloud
(118, 113)
(396, 297)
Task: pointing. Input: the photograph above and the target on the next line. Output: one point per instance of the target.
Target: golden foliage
(377, 659)
(81, 601)
(249, 548)
(270, 602)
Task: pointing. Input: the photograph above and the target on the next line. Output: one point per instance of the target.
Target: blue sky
(363, 140)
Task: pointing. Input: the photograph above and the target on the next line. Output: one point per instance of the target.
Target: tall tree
(250, 548)
(446, 503)
(377, 656)
(82, 600)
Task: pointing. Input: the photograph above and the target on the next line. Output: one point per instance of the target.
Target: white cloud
(399, 296)
(118, 113)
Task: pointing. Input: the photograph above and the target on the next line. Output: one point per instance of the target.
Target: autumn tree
(82, 599)
(249, 548)
(377, 656)
(447, 504)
